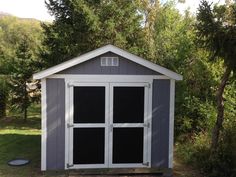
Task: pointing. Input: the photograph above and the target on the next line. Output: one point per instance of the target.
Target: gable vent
(109, 61)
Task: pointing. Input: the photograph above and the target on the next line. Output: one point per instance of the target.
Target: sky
(192, 5)
(26, 9)
(37, 9)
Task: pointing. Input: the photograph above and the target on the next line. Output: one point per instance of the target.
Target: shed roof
(97, 52)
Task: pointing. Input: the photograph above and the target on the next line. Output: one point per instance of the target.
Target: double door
(109, 125)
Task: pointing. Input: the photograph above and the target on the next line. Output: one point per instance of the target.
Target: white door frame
(101, 81)
(88, 125)
(145, 125)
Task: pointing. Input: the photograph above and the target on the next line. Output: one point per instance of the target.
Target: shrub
(196, 150)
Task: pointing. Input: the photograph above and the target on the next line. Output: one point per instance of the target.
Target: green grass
(19, 139)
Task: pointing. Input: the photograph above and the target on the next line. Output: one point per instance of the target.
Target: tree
(20, 43)
(149, 9)
(3, 97)
(216, 31)
(22, 70)
(81, 26)
(175, 49)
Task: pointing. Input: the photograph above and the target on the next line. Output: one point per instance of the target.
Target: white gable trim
(100, 51)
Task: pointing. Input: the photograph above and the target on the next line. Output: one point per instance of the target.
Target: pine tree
(21, 72)
(82, 25)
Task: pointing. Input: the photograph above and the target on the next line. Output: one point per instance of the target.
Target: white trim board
(171, 122)
(43, 124)
(108, 78)
(108, 124)
(100, 51)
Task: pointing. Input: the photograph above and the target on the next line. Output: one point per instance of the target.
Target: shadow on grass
(19, 123)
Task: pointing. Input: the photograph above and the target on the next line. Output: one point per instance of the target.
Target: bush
(196, 150)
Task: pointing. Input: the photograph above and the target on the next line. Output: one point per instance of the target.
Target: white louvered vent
(109, 61)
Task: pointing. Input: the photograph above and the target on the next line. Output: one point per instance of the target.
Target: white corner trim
(43, 124)
(67, 117)
(100, 51)
(171, 122)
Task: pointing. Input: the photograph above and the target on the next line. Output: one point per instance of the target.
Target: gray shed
(107, 108)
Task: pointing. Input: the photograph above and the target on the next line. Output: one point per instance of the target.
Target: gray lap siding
(160, 123)
(93, 66)
(55, 124)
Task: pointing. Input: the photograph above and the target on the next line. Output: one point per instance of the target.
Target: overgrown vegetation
(200, 47)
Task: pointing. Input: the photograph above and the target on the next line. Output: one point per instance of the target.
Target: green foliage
(216, 31)
(197, 151)
(19, 59)
(81, 26)
(195, 148)
(3, 97)
(21, 73)
(175, 49)
(152, 30)
(173, 38)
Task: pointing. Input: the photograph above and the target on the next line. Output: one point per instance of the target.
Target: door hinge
(70, 125)
(147, 125)
(148, 85)
(69, 84)
(146, 163)
(69, 165)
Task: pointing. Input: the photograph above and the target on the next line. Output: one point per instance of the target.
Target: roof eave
(100, 51)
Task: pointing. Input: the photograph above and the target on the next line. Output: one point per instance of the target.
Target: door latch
(111, 127)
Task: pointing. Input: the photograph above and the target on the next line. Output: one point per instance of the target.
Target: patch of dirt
(184, 170)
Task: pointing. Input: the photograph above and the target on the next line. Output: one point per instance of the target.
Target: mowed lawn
(19, 139)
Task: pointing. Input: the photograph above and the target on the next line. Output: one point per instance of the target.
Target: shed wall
(160, 123)
(55, 124)
(93, 66)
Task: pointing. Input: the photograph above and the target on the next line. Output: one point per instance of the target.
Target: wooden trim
(69, 84)
(146, 129)
(108, 78)
(43, 124)
(69, 130)
(128, 125)
(171, 123)
(100, 51)
(149, 120)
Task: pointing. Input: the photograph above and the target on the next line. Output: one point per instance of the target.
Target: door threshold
(122, 172)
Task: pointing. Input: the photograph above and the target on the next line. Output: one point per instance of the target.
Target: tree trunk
(220, 109)
(2, 103)
(25, 102)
